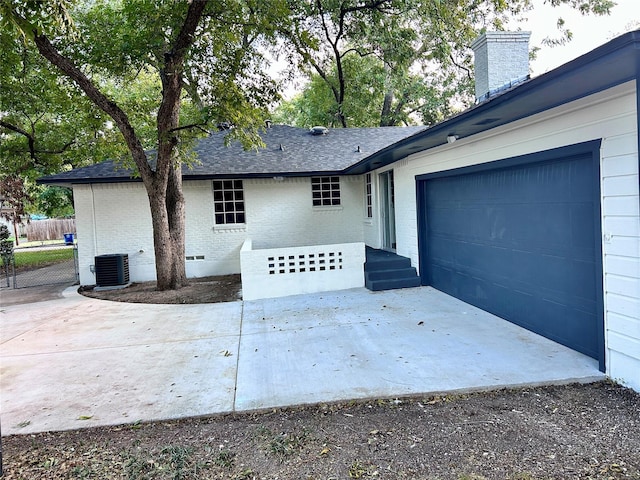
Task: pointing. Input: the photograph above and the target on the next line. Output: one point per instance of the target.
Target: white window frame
(368, 195)
(325, 191)
(229, 207)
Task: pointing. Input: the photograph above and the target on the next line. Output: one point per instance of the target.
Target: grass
(24, 243)
(42, 258)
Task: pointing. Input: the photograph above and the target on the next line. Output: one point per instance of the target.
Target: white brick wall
(280, 214)
(115, 218)
(609, 115)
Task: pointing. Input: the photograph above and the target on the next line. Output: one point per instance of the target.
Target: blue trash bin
(68, 238)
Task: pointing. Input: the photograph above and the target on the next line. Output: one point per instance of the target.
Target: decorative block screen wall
(309, 262)
(278, 272)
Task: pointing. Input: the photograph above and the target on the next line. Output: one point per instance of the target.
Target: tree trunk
(176, 216)
(168, 219)
(386, 117)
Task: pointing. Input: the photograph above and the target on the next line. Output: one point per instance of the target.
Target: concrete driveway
(78, 362)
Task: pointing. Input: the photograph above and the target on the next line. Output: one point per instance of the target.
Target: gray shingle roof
(289, 151)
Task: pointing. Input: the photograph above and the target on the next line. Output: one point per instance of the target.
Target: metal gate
(59, 273)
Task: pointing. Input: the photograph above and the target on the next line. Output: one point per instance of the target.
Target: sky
(588, 32)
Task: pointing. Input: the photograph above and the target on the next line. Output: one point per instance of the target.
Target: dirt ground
(576, 431)
(557, 432)
(225, 288)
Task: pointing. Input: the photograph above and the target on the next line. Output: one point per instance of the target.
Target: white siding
(621, 229)
(115, 218)
(610, 116)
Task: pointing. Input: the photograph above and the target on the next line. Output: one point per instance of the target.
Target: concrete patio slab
(360, 344)
(78, 362)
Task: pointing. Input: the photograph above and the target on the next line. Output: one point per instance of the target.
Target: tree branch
(48, 51)
(193, 125)
(460, 66)
(30, 139)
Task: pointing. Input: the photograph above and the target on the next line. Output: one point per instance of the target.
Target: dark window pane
(228, 184)
(240, 218)
(229, 218)
(219, 219)
(218, 195)
(237, 184)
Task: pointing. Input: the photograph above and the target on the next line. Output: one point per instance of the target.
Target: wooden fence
(52, 229)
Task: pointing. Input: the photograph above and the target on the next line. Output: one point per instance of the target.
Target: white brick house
(527, 205)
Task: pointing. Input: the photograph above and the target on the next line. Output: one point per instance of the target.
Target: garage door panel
(538, 227)
(583, 229)
(529, 270)
(520, 242)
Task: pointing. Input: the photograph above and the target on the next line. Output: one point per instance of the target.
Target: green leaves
(422, 47)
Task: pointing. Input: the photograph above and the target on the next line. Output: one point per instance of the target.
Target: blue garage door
(521, 239)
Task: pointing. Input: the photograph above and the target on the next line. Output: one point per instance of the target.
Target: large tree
(422, 47)
(202, 53)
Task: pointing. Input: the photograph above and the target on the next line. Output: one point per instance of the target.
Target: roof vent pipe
(319, 130)
(501, 59)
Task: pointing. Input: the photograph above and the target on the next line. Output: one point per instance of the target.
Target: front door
(388, 211)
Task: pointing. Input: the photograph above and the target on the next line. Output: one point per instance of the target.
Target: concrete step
(396, 273)
(385, 271)
(393, 262)
(391, 284)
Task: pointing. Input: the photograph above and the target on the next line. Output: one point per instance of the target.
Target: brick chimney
(501, 60)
